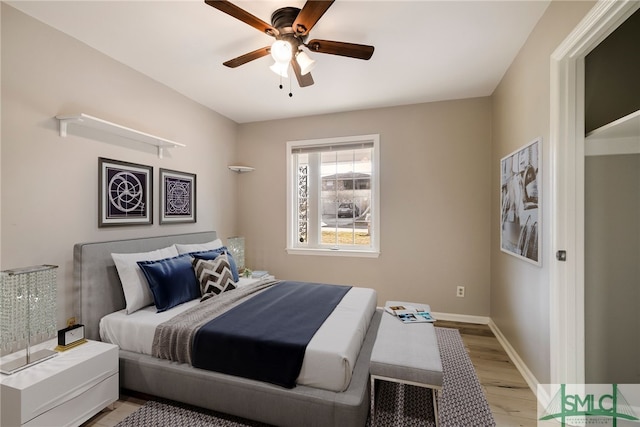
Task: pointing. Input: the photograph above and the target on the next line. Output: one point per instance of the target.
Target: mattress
(330, 355)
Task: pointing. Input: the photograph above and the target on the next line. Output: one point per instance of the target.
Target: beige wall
(435, 202)
(49, 183)
(519, 290)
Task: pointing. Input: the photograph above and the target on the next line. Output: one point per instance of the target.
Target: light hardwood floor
(512, 402)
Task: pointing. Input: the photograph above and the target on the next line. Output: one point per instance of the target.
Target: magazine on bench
(410, 314)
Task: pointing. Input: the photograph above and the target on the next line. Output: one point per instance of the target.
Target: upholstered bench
(406, 353)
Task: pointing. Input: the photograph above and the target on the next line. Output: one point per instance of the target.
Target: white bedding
(330, 356)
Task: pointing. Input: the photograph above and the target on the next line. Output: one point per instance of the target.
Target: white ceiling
(424, 50)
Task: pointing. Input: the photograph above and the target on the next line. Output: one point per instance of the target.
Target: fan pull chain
(281, 86)
(290, 92)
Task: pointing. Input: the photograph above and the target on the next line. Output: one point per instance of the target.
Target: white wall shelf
(116, 129)
(241, 169)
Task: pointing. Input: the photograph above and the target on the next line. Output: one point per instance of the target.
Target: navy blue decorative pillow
(172, 281)
(214, 253)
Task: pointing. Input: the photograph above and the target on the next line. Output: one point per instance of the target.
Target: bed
(99, 293)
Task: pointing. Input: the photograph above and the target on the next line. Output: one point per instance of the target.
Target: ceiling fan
(290, 27)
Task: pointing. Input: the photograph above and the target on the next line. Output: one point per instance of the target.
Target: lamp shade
(280, 69)
(281, 51)
(27, 312)
(306, 64)
(236, 247)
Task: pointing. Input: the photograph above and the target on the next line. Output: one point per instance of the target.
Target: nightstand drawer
(79, 409)
(72, 376)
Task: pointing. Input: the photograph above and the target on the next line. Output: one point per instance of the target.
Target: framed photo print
(126, 193)
(177, 197)
(520, 202)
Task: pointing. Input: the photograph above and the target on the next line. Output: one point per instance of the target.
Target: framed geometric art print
(126, 193)
(177, 197)
(521, 202)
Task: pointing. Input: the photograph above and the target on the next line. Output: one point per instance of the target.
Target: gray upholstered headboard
(97, 288)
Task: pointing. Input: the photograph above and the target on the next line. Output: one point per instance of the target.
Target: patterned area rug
(461, 401)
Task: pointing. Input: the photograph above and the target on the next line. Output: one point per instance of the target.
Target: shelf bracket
(64, 123)
(63, 128)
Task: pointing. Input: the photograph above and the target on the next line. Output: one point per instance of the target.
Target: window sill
(334, 252)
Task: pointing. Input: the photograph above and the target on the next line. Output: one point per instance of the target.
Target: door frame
(566, 281)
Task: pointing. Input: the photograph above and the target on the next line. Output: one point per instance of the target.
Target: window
(333, 196)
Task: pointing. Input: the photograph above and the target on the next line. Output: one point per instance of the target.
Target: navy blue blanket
(265, 338)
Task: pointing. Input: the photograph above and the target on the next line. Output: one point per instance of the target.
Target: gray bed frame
(98, 292)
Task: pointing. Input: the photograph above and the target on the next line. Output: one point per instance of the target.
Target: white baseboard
(465, 318)
(526, 373)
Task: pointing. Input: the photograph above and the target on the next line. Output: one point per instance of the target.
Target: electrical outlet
(460, 291)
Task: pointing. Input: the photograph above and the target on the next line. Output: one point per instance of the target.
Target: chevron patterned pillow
(214, 276)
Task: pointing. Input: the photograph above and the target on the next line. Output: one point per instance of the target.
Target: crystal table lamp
(27, 311)
(236, 247)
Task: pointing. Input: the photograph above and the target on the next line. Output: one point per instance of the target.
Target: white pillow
(198, 247)
(137, 293)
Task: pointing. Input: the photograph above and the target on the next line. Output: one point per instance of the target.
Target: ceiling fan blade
(303, 80)
(244, 16)
(352, 50)
(243, 59)
(311, 12)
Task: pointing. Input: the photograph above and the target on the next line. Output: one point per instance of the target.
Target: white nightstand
(66, 390)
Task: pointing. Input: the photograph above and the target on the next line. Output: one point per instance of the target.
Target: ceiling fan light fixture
(306, 64)
(280, 69)
(290, 26)
(281, 51)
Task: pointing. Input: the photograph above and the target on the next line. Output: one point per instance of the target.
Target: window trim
(374, 251)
